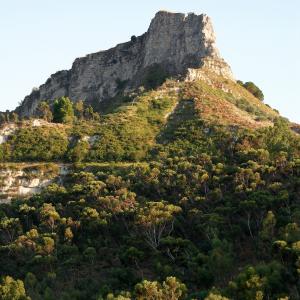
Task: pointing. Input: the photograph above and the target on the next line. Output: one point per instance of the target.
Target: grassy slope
(221, 102)
(143, 120)
(227, 103)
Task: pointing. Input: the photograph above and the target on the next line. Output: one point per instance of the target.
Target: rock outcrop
(21, 180)
(6, 131)
(174, 43)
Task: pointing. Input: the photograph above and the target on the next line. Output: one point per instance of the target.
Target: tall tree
(63, 111)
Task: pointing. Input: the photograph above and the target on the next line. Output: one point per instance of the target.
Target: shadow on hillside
(184, 111)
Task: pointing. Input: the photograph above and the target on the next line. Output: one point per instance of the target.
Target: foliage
(253, 89)
(154, 219)
(44, 111)
(79, 109)
(79, 152)
(11, 289)
(36, 144)
(171, 289)
(63, 111)
(164, 201)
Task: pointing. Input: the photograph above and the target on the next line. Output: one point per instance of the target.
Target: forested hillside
(189, 190)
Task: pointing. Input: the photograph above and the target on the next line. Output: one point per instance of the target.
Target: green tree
(156, 219)
(122, 296)
(47, 246)
(254, 90)
(90, 114)
(2, 118)
(49, 216)
(9, 228)
(154, 76)
(11, 289)
(63, 111)
(90, 254)
(269, 223)
(214, 296)
(7, 116)
(171, 289)
(14, 117)
(79, 152)
(68, 234)
(248, 285)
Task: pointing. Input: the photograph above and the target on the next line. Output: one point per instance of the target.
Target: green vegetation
(63, 111)
(11, 289)
(137, 128)
(44, 111)
(253, 89)
(35, 144)
(180, 193)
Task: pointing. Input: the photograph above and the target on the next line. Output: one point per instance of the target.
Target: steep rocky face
(174, 42)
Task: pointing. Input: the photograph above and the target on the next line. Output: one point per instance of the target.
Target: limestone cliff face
(175, 42)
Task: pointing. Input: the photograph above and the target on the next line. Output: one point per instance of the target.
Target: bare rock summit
(176, 44)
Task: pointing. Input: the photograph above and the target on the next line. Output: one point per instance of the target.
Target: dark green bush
(63, 111)
(253, 89)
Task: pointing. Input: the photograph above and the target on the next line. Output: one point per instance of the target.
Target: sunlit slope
(141, 121)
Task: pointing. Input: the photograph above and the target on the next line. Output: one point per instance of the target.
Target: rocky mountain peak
(182, 36)
(176, 44)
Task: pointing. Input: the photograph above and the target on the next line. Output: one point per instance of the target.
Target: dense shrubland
(208, 211)
(134, 130)
(219, 214)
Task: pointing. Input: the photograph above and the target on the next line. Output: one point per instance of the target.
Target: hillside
(139, 122)
(193, 182)
(181, 184)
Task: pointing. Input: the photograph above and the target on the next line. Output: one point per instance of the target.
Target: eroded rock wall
(21, 180)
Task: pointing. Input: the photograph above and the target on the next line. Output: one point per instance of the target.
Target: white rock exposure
(18, 182)
(6, 131)
(174, 41)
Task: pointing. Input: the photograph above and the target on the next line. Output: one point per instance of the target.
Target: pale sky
(260, 39)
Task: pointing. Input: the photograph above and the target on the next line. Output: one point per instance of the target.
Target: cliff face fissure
(175, 42)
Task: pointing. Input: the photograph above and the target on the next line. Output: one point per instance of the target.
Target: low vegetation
(135, 129)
